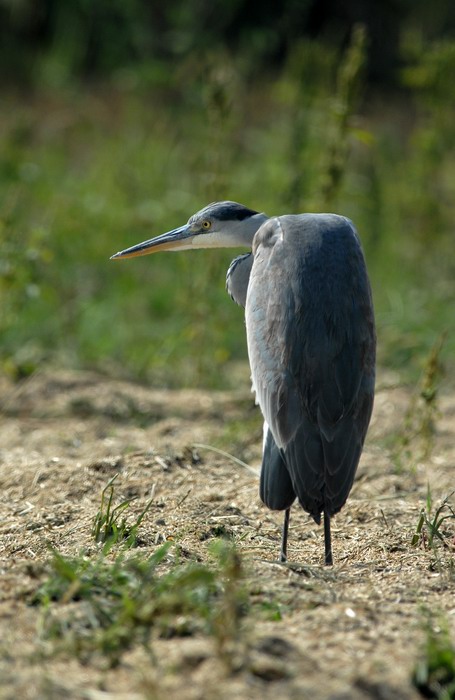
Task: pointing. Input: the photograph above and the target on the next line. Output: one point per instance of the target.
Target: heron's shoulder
(311, 227)
(309, 222)
(269, 234)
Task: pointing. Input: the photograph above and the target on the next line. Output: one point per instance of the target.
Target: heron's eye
(206, 224)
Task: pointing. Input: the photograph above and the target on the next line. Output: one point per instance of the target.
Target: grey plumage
(311, 345)
(315, 381)
(237, 278)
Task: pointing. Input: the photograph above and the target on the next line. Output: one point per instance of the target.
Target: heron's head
(218, 225)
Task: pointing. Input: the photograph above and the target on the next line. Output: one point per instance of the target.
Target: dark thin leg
(284, 539)
(327, 540)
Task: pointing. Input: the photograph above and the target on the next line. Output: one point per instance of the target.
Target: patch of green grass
(107, 605)
(270, 610)
(434, 674)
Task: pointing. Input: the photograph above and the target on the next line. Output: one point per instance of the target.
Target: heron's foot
(328, 560)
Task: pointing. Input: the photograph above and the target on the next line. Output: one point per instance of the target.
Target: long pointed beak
(177, 239)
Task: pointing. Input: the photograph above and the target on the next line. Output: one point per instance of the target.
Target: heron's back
(311, 343)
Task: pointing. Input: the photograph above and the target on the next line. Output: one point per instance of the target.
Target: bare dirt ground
(353, 631)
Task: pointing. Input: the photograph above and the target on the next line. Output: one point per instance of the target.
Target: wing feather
(275, 487)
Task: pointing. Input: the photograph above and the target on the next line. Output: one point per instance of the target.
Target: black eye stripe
(233, 211)
(223, 211)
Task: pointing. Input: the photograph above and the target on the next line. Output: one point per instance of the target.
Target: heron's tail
(322, 470)
(304, 458)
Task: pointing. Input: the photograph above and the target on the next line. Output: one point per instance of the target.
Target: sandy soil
(347, 632)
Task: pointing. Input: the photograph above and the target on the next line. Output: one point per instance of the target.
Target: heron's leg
(284, 539)
(327, 540)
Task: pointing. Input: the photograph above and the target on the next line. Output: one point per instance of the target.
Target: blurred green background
(120, 118)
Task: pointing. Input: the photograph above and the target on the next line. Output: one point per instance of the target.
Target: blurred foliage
(415, 439)
(51, 42)
(86, 170)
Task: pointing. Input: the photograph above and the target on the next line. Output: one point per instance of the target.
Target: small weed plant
(109, 527)
(430, 528)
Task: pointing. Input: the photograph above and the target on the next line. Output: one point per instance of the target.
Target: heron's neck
(242, 232)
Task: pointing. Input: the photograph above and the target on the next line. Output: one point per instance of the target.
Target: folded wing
(311, 343)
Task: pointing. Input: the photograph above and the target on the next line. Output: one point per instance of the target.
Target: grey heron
(311, 345)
